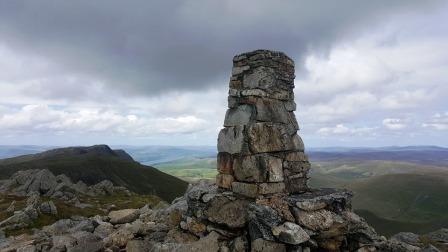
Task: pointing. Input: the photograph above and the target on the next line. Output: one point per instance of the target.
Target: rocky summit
(260, 201)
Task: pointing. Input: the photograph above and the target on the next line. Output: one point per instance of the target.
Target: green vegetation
(92, 168)
(388, 227)
(191, 169)
(65, 211)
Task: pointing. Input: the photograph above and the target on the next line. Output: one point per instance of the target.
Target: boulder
(407, 237)
(123, 216)
(261, 221)
(48, 207)
(315, 220)
(227, 211)
(103, 230)
(290, 233)
(260, 245)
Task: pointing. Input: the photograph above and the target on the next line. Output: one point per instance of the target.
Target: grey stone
(229, 212)
(103, 230)
(261, 221)
(48, 207)
(261, 77)
(258, 168)
(59, 227)
(239, 244)
(249, 169)
(271, 110)
(240, 115)
(271, 137)
(246, 189)
(290, 105)
(430, 248)
(239, 70)
(83, 225)
(440, 235)
(407, 237)
(260, 245)
(316, 220)
(271, 188)
(296, 184)
(290, 233)
(231, 140)
(224, 180)
(333, 199)
(123, 216)
(138, 246)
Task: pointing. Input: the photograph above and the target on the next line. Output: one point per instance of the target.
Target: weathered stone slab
(224, 181)
(261, 221)
(258, 168)
(261, 245)
(226, 211)
(225, 163)
(296, 185)
(272, 137)
(123, 216)
(271, 188)
(248, 169)
(261, 77)
(297, 167)
(331, 199)
(316, 220)
(271, 110)
(239, 70)
(246, 189)
(240, 115)
(231, 140)
(290, 233)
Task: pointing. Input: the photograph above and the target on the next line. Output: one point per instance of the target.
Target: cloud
(439, 121)
(157, 69)
(42, 118)
(341, 129)
(394, 123)
(147, 48)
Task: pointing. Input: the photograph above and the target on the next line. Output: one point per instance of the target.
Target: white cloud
(341, 129)
(394, 123)
(42, 118)
(438, 121)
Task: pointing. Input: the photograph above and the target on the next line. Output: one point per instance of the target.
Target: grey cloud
(147, 47)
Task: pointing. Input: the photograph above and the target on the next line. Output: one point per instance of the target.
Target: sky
(368, 73)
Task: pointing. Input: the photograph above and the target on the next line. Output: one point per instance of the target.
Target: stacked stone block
(260, 152)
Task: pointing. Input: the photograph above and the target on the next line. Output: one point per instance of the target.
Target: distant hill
(427, 155)
(96, 163)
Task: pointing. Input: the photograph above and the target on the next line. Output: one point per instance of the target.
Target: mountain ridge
(96, 163)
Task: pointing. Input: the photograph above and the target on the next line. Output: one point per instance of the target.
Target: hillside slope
(96, 163)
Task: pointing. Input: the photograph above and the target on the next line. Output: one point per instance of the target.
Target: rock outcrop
(45, 183)
(35, 184)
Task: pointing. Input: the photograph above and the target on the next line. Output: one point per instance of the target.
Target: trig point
(260, 152)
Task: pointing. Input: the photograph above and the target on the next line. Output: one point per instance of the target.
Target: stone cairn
(261, 201)
(259, 149)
